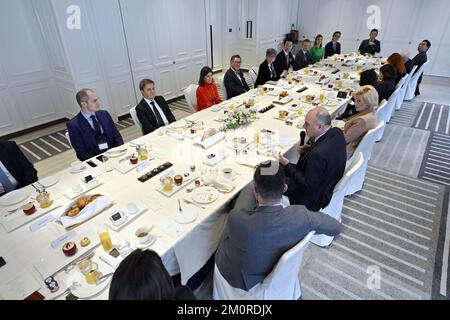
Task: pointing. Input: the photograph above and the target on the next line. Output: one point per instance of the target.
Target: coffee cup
(143, 235)
(132, 208)
(76, 188)
(228, 173)
(77, 165)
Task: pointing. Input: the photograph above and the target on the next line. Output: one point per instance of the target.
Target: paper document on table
(19, 287)
(287, 140)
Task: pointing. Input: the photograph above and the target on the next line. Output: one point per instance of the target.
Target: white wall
(404, 23)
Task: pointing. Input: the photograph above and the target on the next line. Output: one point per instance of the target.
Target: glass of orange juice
(105, 240)
(339, 84)
(322, 97)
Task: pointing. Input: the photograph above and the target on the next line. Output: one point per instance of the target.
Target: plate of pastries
(79, 204)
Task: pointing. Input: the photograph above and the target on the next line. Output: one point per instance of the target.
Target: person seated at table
(16, 171)
(303, 58)
(234, 80)
(371, 45)
(420, 59)
(207, 93)
(317, 51)
(334, 46)
(285, 58)
(321, 165)
(259, 230)
(142, 276)
(92, 131)
(407, 61)
(366, 100)
(152, 111)
(386, 86)
(367, 78)
(267, 70)
(396, 61)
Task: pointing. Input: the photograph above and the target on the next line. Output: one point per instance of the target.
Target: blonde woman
(366, 100)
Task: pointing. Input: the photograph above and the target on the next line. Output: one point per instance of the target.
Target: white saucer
(48, 181)
(135, 242)
(77, 170)
(188, 215)
(14, 197)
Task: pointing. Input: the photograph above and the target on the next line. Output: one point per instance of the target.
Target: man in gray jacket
(259, 230)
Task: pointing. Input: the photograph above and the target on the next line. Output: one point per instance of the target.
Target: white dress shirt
(9, 176)
(163, 116)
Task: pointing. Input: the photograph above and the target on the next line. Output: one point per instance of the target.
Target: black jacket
(302, 60)
(365, 48)
(419, 60)
(233, 85)
(148, 118)
(385, 89)
(280, 62)
(17, 164)
(264, 74)
(312, 180)
(329, 51)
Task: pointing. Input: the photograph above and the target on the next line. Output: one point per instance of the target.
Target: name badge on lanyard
(103, 146)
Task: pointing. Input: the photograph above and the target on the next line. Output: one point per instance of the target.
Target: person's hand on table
(282, 160)
(284, 74)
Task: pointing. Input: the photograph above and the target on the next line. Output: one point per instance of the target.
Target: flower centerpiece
(239, 117)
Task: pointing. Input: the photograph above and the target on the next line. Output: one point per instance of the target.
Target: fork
(193, 203)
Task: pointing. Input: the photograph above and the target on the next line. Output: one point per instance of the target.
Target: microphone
(302, 137)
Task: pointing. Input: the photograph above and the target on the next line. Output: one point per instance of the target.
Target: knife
(125, 159)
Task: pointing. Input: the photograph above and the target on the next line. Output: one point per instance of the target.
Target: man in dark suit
(303, 59)
(92, 131)
(16, 171)
(152, 111)
(234, 80)
(420, 59)
(333, 47)
(321, 165)
(285, 58)
(259, 230)
(266, 71)
(371, 45)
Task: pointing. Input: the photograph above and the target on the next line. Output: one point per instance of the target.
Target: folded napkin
(91, 210)
(221, 184)
(209, 142)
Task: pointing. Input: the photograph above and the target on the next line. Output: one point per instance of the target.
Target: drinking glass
(105, 240)
(43, 199)
(108, 164)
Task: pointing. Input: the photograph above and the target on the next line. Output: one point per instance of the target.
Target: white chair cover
(411, 89)
(253, 73)
(365, 147)
(334, 208)
(135, 117)
(382, 115)
(190, 93)
(401, 94)
(281, 284)
(392, 102)
(221, 83)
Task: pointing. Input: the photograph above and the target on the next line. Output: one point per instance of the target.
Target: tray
(130, 217)
(86, 187)
(176, 188)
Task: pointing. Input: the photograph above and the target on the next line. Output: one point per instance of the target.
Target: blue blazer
(82, 135)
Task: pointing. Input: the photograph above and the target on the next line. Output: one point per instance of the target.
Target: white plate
(205, 195)
(135, 242)
(49, 181)
(77, 170)
(14, 197)
(85, 290)
(114, 153)
(188, 215)
(178, 125)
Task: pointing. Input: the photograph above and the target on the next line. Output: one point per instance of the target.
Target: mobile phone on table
(91, 163)
(99, 158)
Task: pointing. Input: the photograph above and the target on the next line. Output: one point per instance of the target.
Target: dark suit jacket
(409, 66)
(233, 85)
(17, 164)
(365, 48)
(254, 239)
(385, 89)
(329, 51)
(280, 62)
(264, 74)
(302, 60)
(311, 182)
(148, 118)
(418, 61)
(83, 138)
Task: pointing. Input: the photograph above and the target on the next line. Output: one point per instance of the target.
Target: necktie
(287, 61)
(159, 119)
(334, 47)
(7, 185)
(96, 125)
(273, 73)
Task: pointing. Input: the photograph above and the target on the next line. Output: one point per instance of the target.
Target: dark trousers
(196, 280)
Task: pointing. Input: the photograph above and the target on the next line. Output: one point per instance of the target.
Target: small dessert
(29, 209)
(85, 242)
(193, 130)
(134, 159)
(197, 183)
(73, 212)
(321, 78)
(178, 179)
(69, 249)
(283, 94)
(330, 86)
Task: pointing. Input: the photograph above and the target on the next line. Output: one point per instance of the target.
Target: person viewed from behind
(267, 70)
(234, 80)
(386, 85)
(334, 46)
(317, 51)
(303, 58)
(366, 101)
(396, 61)
(371, 45)
(207, 93)
(142, 276)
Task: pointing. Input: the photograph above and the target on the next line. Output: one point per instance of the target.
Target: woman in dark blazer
(267, 70)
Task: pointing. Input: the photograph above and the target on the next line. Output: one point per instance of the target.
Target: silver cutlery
(193, 203)
(179, 206)
(102, 278)
(125, 159)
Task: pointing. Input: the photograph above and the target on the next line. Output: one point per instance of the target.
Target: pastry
(85, 242)
(92, 198)
(29, 208)
(82, 202)
(69, 249)
(73, 212)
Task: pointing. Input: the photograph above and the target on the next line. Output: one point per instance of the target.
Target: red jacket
(207, 95)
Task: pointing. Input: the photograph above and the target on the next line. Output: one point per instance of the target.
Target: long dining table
(31, 245)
